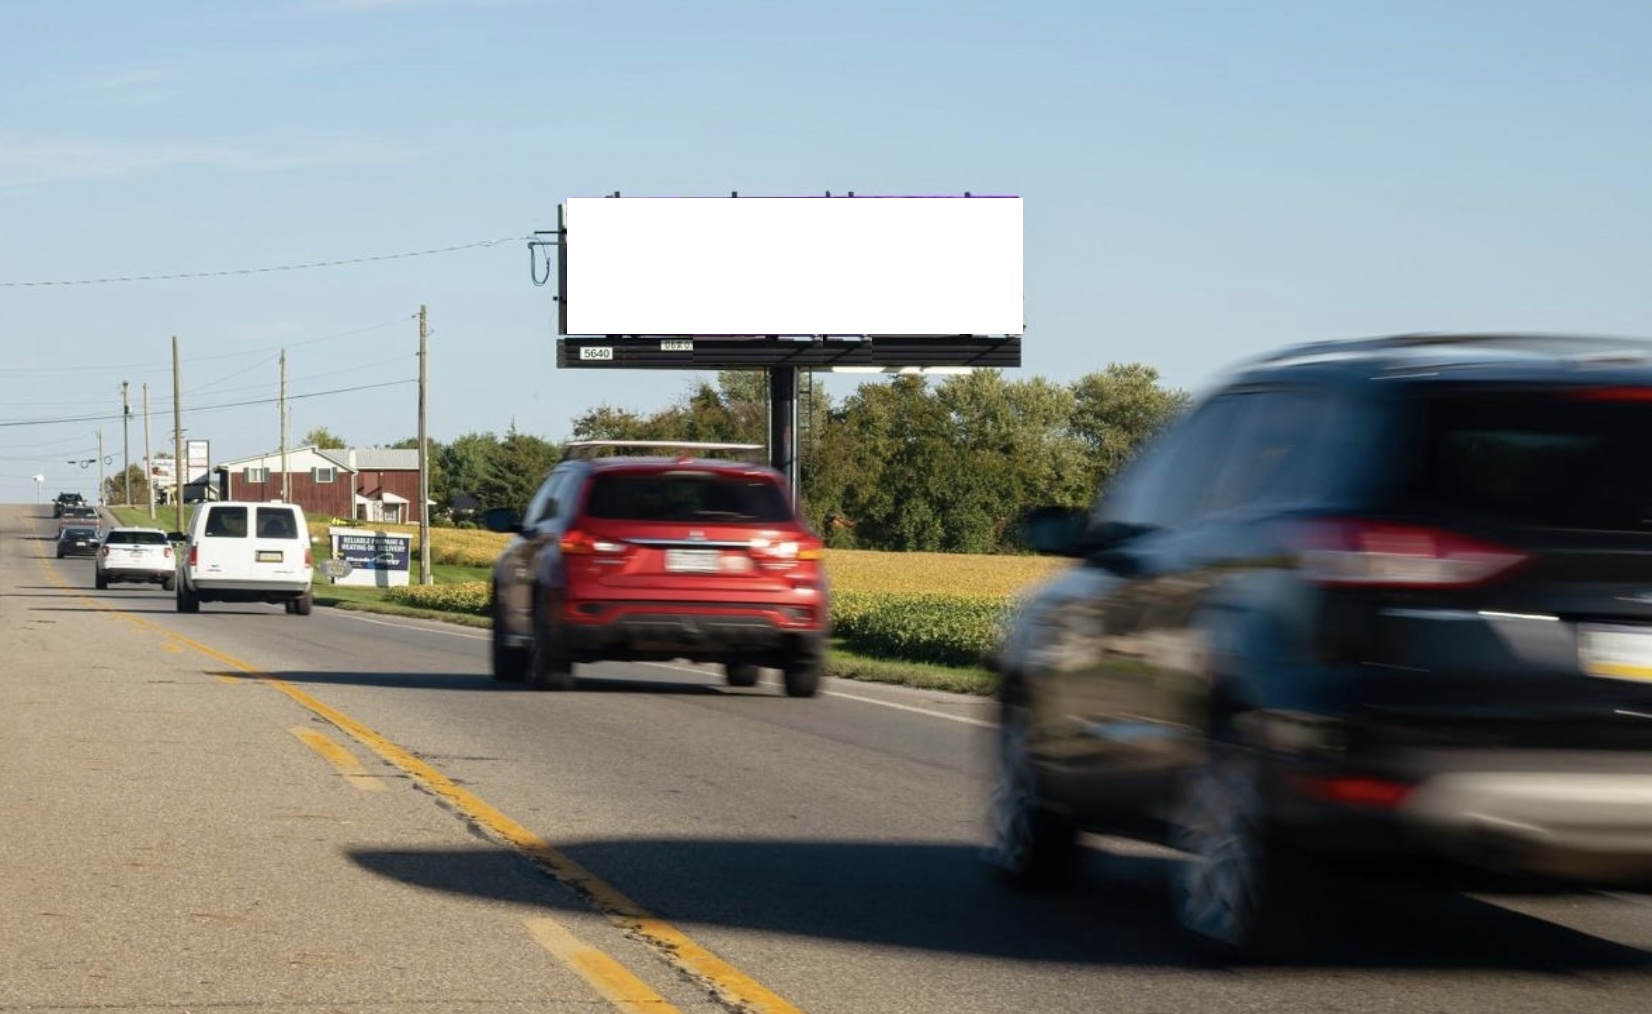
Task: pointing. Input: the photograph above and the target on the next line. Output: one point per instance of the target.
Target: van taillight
(1357, 553)
(194, 555)
(309, 557)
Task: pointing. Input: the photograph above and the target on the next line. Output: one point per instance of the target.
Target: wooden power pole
(126, 440)
(424, 450)
(148, 459)
(286, 484)
(177, 440)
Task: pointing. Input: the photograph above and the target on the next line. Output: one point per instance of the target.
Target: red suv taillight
(780, 554)
(1385, 555)
(577, 543)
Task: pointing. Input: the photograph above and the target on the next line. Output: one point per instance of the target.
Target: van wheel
(509, 662)
(802, 676)
(169, 583)
(102, 582)
(188, 601)
(742, 674)
(304, 604)
(549, 667)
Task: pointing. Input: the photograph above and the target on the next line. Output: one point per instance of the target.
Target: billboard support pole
(783, 424)
(561, 270)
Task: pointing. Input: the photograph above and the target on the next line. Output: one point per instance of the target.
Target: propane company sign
(372, 558)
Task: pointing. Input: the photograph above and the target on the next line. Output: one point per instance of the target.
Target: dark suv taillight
(1379, 554)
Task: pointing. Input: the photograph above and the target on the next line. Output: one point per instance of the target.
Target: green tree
(114, 486)
(1119, 409)
(517, 468)
(323, 438)
(465, 463)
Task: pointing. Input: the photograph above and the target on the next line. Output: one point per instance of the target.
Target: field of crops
(942, 608)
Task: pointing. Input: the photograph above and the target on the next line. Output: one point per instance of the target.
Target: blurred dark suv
(629, 558)
(1371, 602)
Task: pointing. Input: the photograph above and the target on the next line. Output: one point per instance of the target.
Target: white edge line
(349, 615)
(961, 719)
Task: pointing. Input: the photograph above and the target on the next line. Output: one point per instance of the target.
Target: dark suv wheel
(1030, 846)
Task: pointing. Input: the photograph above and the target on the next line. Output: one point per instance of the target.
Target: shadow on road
(937, 897)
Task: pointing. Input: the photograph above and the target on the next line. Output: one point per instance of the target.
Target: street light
(39, 481)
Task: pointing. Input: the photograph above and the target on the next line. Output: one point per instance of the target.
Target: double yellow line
(605, 974)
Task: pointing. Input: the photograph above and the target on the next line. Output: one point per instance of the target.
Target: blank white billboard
(793, 266)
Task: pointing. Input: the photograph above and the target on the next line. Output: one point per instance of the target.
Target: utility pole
(102, 482)
(424, 450)
(126, 440)
(148, 460)
(286, 486)
(177, 440)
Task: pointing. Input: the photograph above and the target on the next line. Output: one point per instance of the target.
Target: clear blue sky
(1203, 180)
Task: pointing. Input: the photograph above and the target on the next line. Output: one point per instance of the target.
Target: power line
(13, 423)
(97, 368)
(265, 270)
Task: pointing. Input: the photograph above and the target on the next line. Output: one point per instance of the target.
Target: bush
(463, 597)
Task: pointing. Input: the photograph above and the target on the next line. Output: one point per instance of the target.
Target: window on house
(324, 474)
(257, 475)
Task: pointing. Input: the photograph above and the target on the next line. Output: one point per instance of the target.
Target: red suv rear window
(687, 496)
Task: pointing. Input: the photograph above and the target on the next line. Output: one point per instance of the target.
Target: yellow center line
(730, 985)
(341, 759)
(607, 976)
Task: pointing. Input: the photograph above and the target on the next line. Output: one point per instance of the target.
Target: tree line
(905, 464)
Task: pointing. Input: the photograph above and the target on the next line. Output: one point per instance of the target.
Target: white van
(246, 552)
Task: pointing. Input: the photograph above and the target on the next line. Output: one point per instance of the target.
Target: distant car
(246, 552)
(77, 540)
(64, 500)
(659, 558)
(1385, 603)
(76, 511)
(141, 555)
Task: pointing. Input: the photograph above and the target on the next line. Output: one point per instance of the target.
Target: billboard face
(793, 266)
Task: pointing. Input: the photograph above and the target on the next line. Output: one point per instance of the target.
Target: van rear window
(687, 496)
(226, 523)
(277, 523)
(1547, 458)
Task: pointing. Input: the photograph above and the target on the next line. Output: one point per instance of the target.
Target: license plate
(1618, 653)
(269, 556)
(693, 561)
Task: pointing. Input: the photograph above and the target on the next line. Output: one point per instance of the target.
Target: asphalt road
(243, 809)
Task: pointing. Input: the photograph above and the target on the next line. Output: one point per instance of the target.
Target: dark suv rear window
(686, 496)
(137, 538)
(1550, 458)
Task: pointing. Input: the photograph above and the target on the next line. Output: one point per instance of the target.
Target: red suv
(654, 559)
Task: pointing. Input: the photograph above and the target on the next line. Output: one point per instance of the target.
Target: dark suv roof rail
(591, 448)
(1542, 345)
